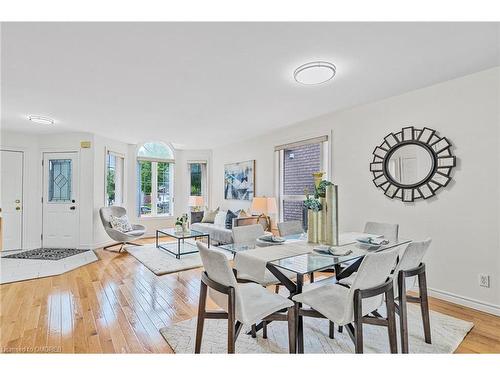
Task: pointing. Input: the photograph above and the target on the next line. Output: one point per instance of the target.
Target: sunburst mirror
(412, 164)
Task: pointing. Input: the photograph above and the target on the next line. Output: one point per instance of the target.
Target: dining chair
(247, 233)
(242, 303)
(387, 230)
(410, 265)
(351, 307)
(288, 228)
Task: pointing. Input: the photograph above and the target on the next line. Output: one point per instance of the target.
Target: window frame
(154, 182)
(204, 178)
(108, 151)
(279, 153)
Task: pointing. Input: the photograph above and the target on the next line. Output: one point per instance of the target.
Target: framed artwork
(239, 180)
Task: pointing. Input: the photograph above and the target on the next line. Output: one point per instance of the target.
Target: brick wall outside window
(298, 166)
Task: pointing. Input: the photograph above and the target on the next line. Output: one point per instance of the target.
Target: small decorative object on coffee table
(181, 223)
(184, 246)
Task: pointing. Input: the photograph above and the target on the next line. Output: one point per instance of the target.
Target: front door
(60, 200)
(11, 214)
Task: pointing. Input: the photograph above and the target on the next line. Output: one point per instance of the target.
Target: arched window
(155, 179)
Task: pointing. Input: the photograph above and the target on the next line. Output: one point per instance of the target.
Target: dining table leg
(300, 322)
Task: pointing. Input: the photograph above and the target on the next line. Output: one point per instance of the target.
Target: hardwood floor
(116, 305)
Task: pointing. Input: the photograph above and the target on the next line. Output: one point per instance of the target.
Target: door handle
(18, 208)
(72, 208)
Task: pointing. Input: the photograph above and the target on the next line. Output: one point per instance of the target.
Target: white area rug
(447, 334)
(160, 262)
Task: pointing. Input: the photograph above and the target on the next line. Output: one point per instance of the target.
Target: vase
(184, 227)
(312, 226)
(322, 222)
(331, 216)
(178, 228)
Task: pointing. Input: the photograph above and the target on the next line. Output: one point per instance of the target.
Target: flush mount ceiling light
(314, 73)
(41, 120)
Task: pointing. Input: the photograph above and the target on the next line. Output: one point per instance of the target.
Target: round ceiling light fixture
(41, 120)
(315, 73)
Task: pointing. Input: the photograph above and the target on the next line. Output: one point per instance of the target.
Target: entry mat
(46, 253)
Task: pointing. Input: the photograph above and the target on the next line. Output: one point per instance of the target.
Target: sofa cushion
(220, 219)
(229, 219)
(209, 216)
(217, 234)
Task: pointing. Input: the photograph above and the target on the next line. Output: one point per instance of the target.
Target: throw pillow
(220, 219)
(242, 213)
(229, 219)
(121, 223)
(209, 216)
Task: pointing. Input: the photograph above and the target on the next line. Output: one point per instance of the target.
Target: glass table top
(312, 262)
(242, 246)
(189, 233)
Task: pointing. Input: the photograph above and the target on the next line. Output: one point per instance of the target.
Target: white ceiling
(200, 85)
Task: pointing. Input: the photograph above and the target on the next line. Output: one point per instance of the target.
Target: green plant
(181, 220)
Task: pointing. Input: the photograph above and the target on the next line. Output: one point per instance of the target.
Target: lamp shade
(196, 201)
(264, 205)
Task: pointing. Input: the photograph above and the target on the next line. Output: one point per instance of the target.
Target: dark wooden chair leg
(331, 333)
(340, 329)
(424, 306)
(277, 289)
(358, 323)
(292, 339)
(231, 322)
(311, 277)
(391, 320)
(254, 331)
(201, 317)
(298, 334)
(403, 312)
(264, 329)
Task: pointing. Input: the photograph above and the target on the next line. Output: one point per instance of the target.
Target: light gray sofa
(220, 234)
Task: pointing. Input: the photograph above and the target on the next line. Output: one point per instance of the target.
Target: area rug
(160, 262)
(46, 253)
(447, 333)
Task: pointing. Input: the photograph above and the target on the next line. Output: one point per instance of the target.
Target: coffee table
(183, 247)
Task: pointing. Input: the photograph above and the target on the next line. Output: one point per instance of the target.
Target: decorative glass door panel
(59, 180)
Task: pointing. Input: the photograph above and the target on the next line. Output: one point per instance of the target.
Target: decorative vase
(331, 216)
(178, 228)
(312, 226)
(184, 226)
(322, 222)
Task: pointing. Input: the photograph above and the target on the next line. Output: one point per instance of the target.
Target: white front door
(60, 200)
(11, 199)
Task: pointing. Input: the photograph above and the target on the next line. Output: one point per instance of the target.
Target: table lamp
(264, 206)
(196, 202)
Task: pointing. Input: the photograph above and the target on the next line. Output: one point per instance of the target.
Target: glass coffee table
(182, 246)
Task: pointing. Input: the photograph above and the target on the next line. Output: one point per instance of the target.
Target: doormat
(47, 253)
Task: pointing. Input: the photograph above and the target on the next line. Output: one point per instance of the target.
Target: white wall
(33, 147)
(463, 219)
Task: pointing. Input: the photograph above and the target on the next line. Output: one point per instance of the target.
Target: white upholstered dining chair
(350, 307)
(247, 233)
(288, 228)
(409, 267)
(242, 303)
(389, 231)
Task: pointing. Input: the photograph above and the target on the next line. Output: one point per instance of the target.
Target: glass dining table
(350, 255)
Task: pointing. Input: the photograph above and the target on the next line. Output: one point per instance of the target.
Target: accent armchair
(121, 238)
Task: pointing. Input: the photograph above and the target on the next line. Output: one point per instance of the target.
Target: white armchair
(121, 238)
(243, 303)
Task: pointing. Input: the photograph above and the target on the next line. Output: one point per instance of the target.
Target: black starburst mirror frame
(439, 175)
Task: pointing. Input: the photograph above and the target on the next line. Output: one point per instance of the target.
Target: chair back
(106, 212)
(413, 255)
(387, 230)
(288, 228)
(217, 266)
(375, 269)
(247, 233)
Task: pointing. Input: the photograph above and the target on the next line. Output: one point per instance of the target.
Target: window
(114, 179)
(155, 177)
(297, 162)
(198, 179)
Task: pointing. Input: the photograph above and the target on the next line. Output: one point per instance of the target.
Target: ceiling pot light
(314, 73)
(41, 120)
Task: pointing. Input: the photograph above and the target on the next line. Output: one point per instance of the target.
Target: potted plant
(181, 223)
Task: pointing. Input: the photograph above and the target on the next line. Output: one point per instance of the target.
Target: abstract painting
(239, 180)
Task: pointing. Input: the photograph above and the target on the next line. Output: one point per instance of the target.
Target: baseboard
(465, 301)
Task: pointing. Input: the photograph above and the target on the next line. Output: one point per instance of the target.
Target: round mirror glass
(410, 164)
